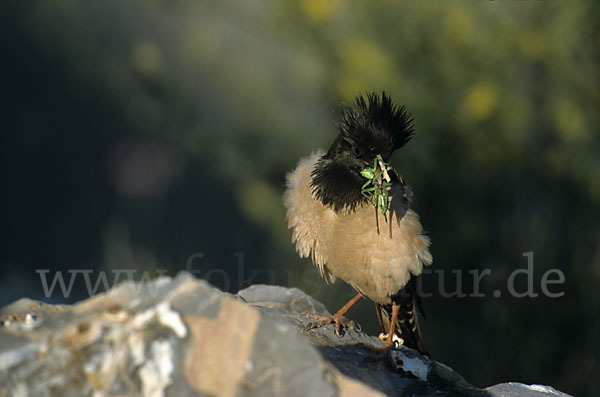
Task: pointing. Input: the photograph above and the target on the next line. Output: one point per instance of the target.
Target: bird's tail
(407, 323)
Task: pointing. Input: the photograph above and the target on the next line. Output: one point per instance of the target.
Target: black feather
(378, 116)
(337, 186)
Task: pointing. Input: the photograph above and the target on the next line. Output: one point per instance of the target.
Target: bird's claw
(339, 323)
(397, 341)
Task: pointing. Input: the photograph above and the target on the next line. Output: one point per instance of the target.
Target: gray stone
(182, 337)
(514, 389)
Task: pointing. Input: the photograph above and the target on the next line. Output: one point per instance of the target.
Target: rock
(182, 337)
(514, 389)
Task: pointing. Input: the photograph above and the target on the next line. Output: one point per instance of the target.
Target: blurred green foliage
(141, 132)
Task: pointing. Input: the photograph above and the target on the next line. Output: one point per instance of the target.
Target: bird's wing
(307, 217)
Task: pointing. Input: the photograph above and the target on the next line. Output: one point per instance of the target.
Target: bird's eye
(357, 151)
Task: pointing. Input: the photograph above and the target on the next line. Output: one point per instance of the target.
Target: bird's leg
(388, 345)
(337, 319)
(389, 342)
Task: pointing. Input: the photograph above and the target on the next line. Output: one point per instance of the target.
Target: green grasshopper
(377, 187)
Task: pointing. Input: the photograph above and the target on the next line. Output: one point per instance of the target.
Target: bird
(334, 222)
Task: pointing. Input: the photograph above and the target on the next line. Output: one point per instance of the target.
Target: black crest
(380, 117)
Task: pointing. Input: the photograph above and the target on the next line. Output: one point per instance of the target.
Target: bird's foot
(340, 324)
(397, 340)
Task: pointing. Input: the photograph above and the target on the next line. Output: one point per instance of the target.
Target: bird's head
(373, 126)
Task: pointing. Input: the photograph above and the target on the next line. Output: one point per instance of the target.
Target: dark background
(135, 134)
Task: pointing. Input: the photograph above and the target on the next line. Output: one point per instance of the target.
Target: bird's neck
(336, 185)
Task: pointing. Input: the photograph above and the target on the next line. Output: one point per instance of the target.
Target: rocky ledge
(182, 337)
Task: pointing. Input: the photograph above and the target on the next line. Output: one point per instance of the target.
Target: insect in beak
(376, 188)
